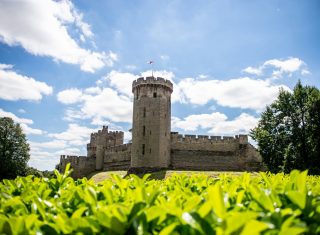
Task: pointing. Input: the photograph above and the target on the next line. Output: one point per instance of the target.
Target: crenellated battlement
(152, 81)
(153, 147)
(73, 159)
(176, 137)
(119, 148)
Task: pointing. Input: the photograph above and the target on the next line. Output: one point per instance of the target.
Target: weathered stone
(154, 147)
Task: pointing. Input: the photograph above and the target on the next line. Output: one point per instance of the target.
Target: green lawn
(100, 176)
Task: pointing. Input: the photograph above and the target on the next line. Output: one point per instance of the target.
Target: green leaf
(215, 197)
(254, 227)
(297, 198)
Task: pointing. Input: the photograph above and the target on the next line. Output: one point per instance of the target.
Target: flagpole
(151, 63)
(152, 69)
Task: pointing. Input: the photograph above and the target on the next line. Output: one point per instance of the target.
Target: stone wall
(81, 165)
(117, 157)
(191, 152)
(151, 122)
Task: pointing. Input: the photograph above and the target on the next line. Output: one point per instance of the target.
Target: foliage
(197, 204)
(14, 149)
(288, 131)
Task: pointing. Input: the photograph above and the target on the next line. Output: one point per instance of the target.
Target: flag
(150, 62)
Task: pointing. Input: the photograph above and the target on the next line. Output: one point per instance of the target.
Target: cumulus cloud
(72, 141)
(24, 123)
(14, 86)
(196, 121)
(279, 67)
(41, 28)
(53, 144)
(216, 123)
(101, 105)
(75, 135)
(122, 82)
(104, 103)
(252, 70)
(69, 96)
(245, 93)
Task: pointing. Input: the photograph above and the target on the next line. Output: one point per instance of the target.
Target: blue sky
(66, 67)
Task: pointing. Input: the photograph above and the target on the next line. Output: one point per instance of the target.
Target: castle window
(154, 94)
(144, 112)
(165, 115)
(144, 131)
(150, 150)
(137, 95)
(150, 132)
(143, 149)
(165, 134)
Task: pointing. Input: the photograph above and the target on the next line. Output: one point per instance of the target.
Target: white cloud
(235, 93)
(24, 122)
(159, 73)
(108, 104)
(286, 66)
(196, 121)
(22, 111)
(280, 67)
(305, 72)
(53, 144)
(31, 131)
(75, 135)
(216, 123)
(41, 28)
(45, 155)
(14, 117)
(105, 104)
(69, 96)
(240, 125)
(252, 70)
(122, 82)
(73, 114)
(14, 86)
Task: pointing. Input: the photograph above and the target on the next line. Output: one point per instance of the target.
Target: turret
(151, 123)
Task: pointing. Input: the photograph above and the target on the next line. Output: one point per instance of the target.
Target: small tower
(151, 123)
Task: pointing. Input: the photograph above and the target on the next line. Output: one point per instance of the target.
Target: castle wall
(117, 157)
(81, 165)
(201, 152)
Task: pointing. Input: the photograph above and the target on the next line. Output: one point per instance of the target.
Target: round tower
(151, 123)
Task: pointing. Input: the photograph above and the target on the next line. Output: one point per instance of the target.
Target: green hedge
(198, 204)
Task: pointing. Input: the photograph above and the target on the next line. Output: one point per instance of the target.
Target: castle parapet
(118, 148)
(152, 80)
(176, 137)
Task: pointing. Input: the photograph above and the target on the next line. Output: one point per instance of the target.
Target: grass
(103, 175)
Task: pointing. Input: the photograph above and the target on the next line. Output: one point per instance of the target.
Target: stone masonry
(154, 146)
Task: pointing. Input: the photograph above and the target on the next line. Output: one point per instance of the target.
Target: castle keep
(154, 146)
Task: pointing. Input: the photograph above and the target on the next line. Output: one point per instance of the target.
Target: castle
(154, 146)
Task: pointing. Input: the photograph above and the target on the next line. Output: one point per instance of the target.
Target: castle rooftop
(152, 81)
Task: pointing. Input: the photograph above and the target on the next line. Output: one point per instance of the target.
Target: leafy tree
(14, 149)
(288, 133)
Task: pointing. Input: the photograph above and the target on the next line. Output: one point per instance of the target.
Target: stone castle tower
(154, 146)
(151, 123)
(100, 141)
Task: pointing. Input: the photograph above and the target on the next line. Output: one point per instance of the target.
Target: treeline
(288, 133)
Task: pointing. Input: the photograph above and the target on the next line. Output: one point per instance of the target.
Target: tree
(288, 133)
(14, 149)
